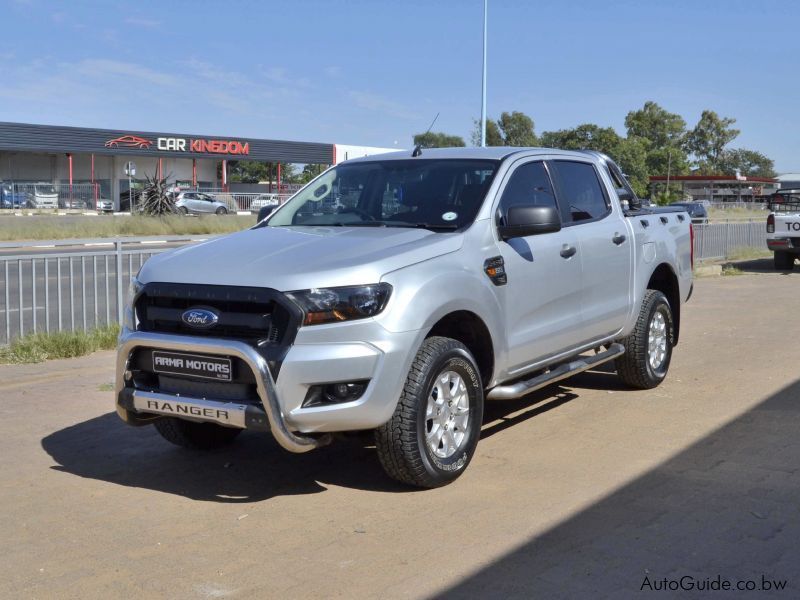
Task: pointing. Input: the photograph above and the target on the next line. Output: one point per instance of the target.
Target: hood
(294, 258)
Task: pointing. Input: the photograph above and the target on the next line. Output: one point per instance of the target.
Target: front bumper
(317, 357)
(132, 402)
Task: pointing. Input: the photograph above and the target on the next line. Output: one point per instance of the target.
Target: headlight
(330, 305)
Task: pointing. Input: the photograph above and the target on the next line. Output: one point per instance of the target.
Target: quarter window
(529, 185)
(580, 190)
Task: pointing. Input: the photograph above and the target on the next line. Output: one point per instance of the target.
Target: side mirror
(624, 195)
(529, 220)
(628, 200)
(264, 212)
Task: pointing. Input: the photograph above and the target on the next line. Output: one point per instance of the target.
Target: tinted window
(580, 190)
(529, 186)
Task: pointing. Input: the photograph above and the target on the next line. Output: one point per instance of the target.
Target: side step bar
(516, 390)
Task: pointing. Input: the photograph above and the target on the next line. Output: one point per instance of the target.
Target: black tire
(401, 443)
(784, 261)
(197, 436)
(222, 211)
(634, 366)
(183, 210)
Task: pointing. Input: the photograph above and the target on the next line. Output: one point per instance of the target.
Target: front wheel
(648, 349)
(432, 435)
(784, 261)
(222, 211)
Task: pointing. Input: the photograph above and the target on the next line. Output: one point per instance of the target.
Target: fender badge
(495, 268)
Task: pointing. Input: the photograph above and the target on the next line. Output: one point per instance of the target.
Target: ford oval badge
(200, 318)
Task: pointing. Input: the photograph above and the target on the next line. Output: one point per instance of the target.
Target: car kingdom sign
(176, 144)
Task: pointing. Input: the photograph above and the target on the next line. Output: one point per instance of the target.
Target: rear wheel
(648, 349)
(183, 210)
(784, 261)
(432, 435)
(197, 436)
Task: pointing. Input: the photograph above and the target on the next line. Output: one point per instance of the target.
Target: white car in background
(264, 200)
(44, 195)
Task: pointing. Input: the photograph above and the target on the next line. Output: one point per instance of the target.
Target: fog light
(344, 391)
(334, 393)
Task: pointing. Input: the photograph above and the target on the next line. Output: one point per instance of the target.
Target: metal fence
(65, 291)
(50, 196)
(723, 240)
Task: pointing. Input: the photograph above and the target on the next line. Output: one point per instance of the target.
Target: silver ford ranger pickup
(397, 294)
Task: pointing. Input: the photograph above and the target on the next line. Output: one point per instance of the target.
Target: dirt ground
(582, 488)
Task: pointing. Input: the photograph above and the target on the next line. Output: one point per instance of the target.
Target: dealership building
(83, 158)
(718, 188)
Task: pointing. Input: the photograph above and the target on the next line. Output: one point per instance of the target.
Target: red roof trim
(730, 178)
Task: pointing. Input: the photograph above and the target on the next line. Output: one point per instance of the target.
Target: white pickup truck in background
(783, 228)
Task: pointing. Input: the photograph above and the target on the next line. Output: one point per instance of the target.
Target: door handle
(618, 239)
(567, 251)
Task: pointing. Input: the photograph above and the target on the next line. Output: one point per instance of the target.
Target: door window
(580, 190)
(529, 185)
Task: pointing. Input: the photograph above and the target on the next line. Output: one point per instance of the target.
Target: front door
(543, 294)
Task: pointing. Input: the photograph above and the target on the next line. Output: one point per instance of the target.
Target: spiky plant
(155, 202)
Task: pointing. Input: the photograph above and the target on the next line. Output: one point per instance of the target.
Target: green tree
(664, 135)
(309, 172)
(246, 171)
(708, 139)
(511, 129)
(656, 125)
(748, 162)
(438, 140)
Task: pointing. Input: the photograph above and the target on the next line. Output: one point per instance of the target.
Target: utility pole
(669, 166)
(483, 86)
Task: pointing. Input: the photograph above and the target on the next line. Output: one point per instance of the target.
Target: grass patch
(749, 253)
(730, 270)
(105, 387)
(38, 347)
(52, 227)
(737, 214)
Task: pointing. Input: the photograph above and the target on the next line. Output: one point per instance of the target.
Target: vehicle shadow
(254, 467)
(726, 506)
(759, 265)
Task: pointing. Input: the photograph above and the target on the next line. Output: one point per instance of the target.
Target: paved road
(581, 490)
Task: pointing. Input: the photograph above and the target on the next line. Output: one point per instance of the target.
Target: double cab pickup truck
(398, 294)
(783, 228)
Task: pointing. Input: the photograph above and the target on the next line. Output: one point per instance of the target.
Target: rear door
(605, 245)
(542, 297)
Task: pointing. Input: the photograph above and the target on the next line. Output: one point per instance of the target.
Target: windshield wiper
(426, 225)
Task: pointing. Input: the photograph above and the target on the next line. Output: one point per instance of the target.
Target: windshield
(45, 189)
(431, 193)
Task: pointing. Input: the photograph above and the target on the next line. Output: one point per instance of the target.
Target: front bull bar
(126, 396)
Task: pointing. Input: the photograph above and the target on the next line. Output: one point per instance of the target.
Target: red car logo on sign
(129, 141)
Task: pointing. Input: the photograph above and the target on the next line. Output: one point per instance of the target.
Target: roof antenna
(418, 148)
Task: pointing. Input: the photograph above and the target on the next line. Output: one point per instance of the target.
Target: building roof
(27, 137)
(725, 178)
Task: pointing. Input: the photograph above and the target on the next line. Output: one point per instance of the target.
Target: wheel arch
(469, 329)
(665, 281)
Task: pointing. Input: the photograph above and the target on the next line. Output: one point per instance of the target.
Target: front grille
(259, 316)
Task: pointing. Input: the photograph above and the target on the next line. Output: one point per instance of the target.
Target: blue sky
(376, 72)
